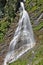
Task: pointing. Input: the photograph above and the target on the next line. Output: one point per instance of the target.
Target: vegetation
(10, 13)
(40, 26)
(34, 8)
(4, 26)
(7, 15)
(32, 59)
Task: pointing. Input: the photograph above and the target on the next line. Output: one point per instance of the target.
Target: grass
(22, 61)
(1, 37)
(36, 28)
(34, 8)
(4, 26)
(19, 63)
(35, 60)
(40, 63)
(38, 5)
(38, 51)
(30, 58)
(38, 55)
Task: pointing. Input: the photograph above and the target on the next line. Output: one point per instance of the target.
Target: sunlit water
(23, 39)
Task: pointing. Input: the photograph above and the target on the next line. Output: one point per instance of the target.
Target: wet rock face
(18, 4)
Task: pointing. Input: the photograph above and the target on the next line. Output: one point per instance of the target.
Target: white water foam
(23, 39)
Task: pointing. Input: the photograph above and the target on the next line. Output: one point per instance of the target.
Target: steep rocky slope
(35, 10)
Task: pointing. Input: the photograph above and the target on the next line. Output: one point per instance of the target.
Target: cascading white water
(23, 39)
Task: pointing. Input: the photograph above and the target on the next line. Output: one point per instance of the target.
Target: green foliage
(40, 26)
(9, 15)
(1, 36)
(19, 63)
(40, 63)
(33, 5)
(4, 25)
(36, 7)
(36, 60)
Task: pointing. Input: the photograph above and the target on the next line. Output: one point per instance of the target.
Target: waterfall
(23, 39)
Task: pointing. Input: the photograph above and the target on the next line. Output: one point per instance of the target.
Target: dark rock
(2, 3)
